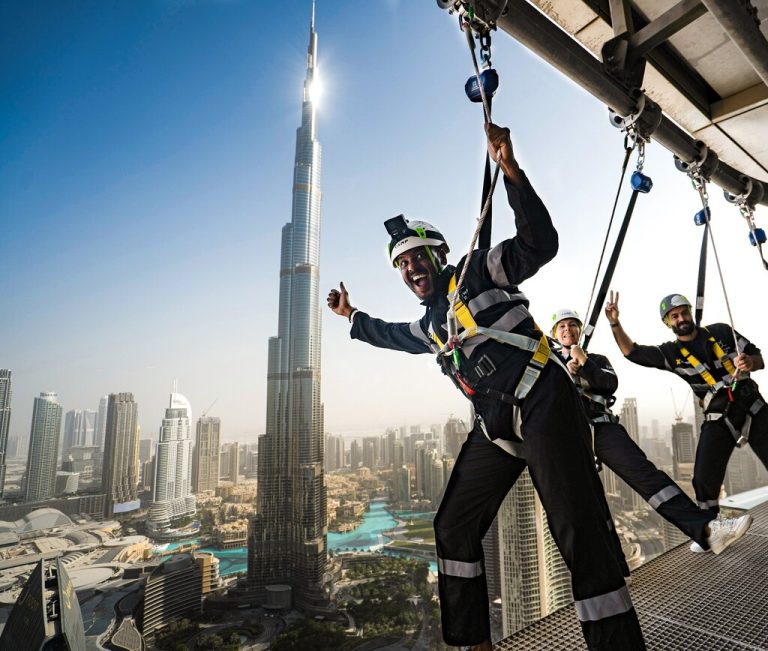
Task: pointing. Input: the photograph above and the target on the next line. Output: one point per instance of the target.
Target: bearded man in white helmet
(716, 362)
(528, 414)
(597, 382)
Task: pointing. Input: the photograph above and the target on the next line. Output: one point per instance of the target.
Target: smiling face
(680, 320)
(567, 332)
(418, 271)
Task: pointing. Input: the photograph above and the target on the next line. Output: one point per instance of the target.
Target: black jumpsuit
(555, 442)
(597, 382)
(716, 439)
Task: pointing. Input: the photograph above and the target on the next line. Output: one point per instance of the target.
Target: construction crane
(209, 408)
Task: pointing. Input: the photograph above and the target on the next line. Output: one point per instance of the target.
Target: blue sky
(145, 174)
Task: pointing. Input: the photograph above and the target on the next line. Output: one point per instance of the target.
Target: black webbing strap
(589, 330)
(484, 241)
(702, 277)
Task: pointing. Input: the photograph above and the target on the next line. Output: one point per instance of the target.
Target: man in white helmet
(716, 362)
(505, 367)
(597, 382)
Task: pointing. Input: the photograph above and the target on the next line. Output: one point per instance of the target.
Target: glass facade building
(287, 534)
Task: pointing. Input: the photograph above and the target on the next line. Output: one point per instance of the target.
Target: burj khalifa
(287, 534)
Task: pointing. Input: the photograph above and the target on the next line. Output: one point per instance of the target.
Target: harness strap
(702, 370)
(702, 279)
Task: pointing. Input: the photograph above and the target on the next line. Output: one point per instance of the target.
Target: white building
(172, 497)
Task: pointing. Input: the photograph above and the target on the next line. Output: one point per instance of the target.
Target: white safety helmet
(562, 314)
(407, 234)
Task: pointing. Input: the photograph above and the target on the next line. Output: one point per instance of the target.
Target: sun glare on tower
(316, 89)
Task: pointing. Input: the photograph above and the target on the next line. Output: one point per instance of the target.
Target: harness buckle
(484, 367)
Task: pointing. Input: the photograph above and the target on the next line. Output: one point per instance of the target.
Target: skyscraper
(172, 498)
(120, 474)
(534, 578)
(5, 420)
(287, 535)
(79, 429)
(39, 482)
(101, 423)
(683, 451)
(233, 462)
(205, 467)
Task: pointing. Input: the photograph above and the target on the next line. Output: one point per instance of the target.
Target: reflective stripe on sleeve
(604, 605)
(492, 297)
(460, 568)
(495, 268)
(418, 333)
(664, 495)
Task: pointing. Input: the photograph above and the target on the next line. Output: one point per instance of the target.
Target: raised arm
(405, 337)
(624, 341)
(536, 242)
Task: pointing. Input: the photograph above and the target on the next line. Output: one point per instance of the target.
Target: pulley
(757, 237)
(490, 80)
(703, 216)
(640, 182)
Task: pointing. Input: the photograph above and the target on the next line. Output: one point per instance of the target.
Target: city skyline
(202, 155)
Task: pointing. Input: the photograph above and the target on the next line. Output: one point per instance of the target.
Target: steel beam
(621, 17)
(669, 23)
(539, 34)
(743, 31)
(741, 102)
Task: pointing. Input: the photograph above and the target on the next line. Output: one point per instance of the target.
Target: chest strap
(703, 371)
(541, 354)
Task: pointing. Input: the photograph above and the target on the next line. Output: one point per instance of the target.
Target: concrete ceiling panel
(571, 15)
(730, 151)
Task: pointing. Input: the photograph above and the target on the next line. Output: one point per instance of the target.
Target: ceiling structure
(703, 62)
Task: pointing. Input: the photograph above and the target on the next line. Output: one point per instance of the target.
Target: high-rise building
(534, 579)
(46, 614)
(454, 435)
(287, 536)
(630, 422)
(355, 455)
(79, 429)
(173, 589)
(334, 452)
(205, 464)
(233, 462)
(120, 473)
(39, 481)
(172, 497)
(5, 421)
(683, 451)
(101, 422)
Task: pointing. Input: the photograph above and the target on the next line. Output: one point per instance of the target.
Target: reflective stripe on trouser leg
(481, 477)
(708, 504)
(460, 568)
(664, 495)
(561, 464)
(604, 605)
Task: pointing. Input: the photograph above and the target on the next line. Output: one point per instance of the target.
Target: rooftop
(685, 601)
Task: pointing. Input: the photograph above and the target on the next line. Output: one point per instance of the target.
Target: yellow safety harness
(540, 349)
(723, 358)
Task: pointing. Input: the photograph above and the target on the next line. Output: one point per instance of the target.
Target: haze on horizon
(146, 175)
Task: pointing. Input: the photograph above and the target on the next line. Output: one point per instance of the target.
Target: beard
(683, 328)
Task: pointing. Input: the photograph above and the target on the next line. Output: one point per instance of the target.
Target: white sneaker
(726, 531)
(696, 548)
